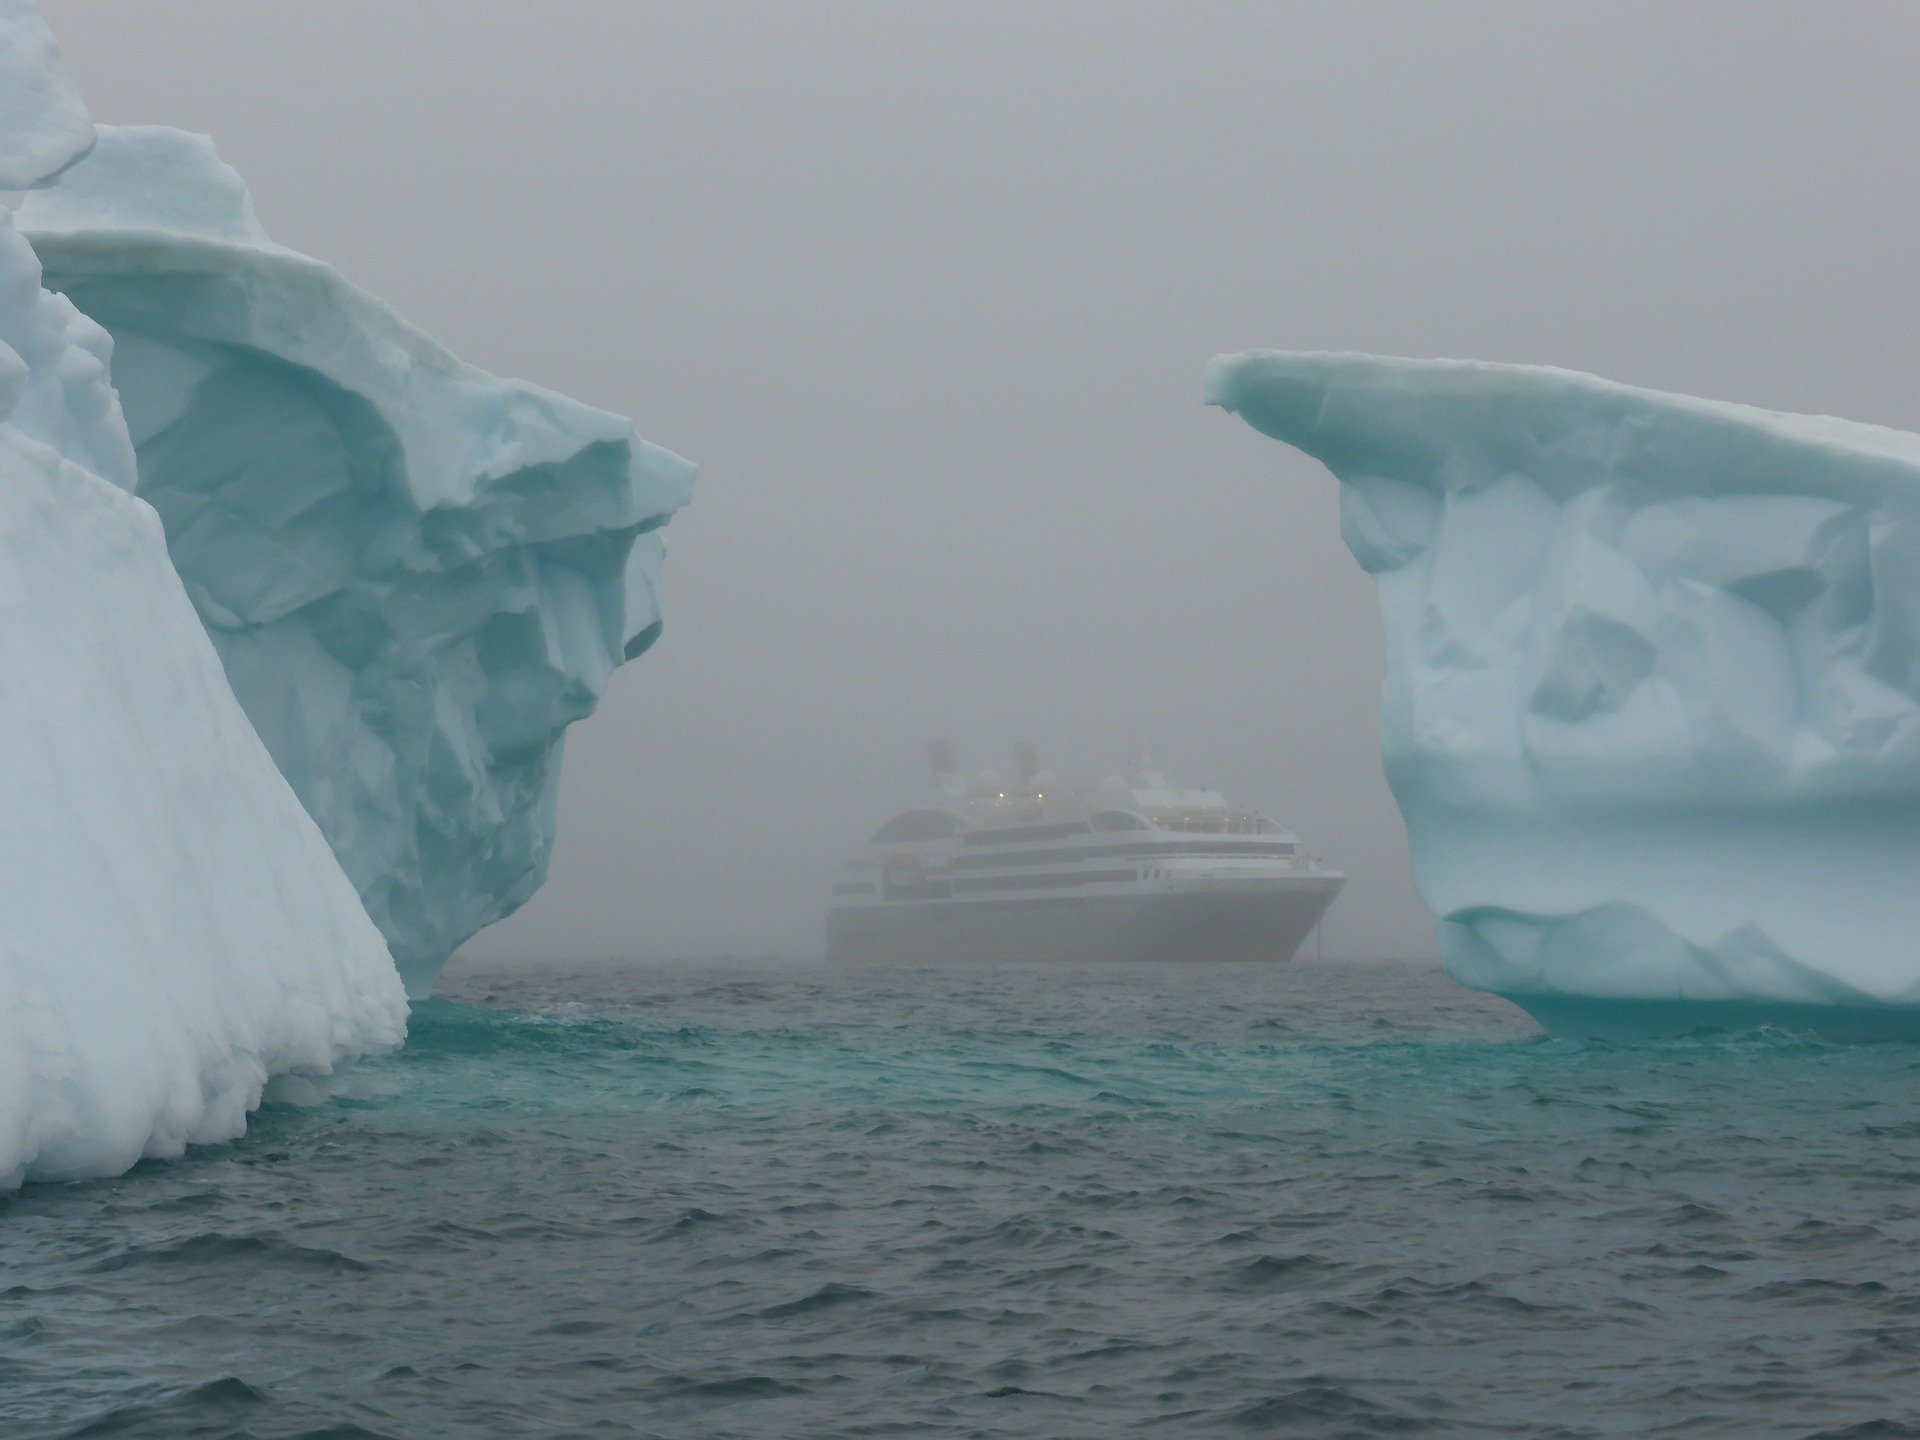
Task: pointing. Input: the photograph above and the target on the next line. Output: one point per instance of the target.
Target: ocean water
(795, 1200)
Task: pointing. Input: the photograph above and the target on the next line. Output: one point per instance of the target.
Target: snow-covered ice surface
(43, 123)
(174, 929)
(417, 575)
(1652, 706)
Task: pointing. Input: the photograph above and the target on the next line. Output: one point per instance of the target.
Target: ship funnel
(1025, 760)
(940, 762)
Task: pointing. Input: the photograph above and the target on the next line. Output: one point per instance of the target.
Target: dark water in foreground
(766, 1201)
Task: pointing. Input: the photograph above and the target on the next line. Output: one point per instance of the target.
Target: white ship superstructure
(1136, 868)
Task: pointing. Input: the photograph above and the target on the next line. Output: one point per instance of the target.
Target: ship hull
(1263, 923)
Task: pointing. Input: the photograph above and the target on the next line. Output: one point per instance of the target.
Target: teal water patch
(798, 1201)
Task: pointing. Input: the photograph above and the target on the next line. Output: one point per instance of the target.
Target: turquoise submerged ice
(1652, 708)
(174, 931)
(416, 575)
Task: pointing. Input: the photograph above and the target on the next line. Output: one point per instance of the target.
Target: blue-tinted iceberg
(1652, 707)
(174, 929)
(417, 575)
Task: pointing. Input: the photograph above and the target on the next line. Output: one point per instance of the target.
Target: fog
(927, 291)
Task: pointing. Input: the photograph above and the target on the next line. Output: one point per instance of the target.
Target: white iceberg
(417, 575)
(1652, 706)
(174, 929)
(43, 123)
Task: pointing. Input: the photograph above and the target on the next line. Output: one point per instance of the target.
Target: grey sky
(927, 291)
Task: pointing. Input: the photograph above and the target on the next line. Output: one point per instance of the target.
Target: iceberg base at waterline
(1576, 1017)
(1652, 704)
(174, 930)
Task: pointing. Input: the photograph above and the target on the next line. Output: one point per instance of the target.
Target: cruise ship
(1136, 868)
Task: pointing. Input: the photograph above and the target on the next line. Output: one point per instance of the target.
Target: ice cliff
(416, 575)
(174, 929)
(1652, 706)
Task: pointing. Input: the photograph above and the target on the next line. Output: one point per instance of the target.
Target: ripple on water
(764, 1201)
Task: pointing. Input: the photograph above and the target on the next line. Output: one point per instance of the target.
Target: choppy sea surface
(780, 1200)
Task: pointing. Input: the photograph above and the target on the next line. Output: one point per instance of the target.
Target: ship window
(1016, 834)
(919, 825)
(1117, 820)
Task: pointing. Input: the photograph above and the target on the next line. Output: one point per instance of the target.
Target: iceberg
(416, 575)
(43, 122)
(1652, 704)
(174, 929)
